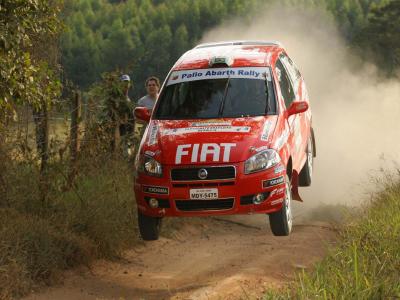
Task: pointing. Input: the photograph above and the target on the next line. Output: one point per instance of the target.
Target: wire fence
(74, 125)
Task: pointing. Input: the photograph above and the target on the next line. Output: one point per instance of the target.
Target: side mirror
(142, 113)
(297, 107)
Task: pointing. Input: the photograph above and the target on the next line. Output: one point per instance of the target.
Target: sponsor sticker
(210, 123)
(277, 191)
(153, 134)
(273, 182)
(261, 73)
(206, 129)
(160, 190)
(279, 169)
(266, 130)
(262, 148)
(277, 201)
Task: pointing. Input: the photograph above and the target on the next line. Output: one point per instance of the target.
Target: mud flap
(295, 187)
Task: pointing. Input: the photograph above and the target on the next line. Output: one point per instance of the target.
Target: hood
(184, 142)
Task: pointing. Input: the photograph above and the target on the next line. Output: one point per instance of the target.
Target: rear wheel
(281, 221)
(149, 227)
(305, 176)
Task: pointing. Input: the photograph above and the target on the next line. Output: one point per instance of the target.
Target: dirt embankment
(210, 258)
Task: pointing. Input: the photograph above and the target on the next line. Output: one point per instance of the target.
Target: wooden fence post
(41, 118)
(75, 120)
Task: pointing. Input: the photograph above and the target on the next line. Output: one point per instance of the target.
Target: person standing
(125, 107)
(117, 114)
(152, 86)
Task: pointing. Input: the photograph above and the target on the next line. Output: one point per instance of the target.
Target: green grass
(366, 262)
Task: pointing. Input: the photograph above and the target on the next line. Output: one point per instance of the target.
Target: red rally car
(231, 133)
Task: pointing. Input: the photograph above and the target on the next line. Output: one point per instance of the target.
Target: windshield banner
(261, 73)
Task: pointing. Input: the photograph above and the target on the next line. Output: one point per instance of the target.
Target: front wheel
(149, 227)
(281, 221)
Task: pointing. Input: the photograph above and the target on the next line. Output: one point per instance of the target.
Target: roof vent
(243, 43)
(220, 61)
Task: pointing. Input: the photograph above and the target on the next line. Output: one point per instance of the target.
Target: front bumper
(235, 196)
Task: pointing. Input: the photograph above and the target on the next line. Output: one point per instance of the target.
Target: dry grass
(46, 227)
(67, 216)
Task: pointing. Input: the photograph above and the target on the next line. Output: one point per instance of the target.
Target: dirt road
(211, 258)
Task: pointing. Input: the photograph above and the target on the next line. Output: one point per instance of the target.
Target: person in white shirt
(152, 88)
(152, 85)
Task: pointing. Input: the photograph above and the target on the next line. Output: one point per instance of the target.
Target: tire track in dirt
(210, 258)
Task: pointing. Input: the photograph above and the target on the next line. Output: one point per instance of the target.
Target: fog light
(257, 199)
(153, 202)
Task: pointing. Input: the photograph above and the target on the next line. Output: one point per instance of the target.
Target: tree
(381, 37)
(145, 37)
(25, 76)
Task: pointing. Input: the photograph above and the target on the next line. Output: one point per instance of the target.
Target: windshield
(216, 98)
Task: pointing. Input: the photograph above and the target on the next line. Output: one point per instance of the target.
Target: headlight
(261, 161)
(149, 166)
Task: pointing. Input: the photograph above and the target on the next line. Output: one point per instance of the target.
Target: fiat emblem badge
(202, 174)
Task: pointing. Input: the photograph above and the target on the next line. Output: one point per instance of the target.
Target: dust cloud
(355, 113)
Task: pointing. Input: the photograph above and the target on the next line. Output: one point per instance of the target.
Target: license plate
(203, 194)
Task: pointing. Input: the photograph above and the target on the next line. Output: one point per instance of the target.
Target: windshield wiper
(221, 107)
(268, 106)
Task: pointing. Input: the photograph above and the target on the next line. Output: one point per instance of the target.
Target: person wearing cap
(152, 86)
(125, 107)
(125, 77)
(126, 80)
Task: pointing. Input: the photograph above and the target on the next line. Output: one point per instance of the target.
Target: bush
(66, 216)
(102, 207)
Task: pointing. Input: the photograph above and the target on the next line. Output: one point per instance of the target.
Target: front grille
(246, 200)
(214, 173)
(198, 205)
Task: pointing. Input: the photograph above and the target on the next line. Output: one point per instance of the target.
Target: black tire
(305, 176)
(281, 221)
(149, 227)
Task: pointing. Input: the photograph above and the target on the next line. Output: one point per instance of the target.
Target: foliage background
(144, 37)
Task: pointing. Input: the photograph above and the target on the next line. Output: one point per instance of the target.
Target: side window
(294, 73)
(285, 84)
